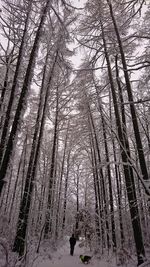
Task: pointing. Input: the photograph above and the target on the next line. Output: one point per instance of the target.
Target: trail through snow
(62, 258)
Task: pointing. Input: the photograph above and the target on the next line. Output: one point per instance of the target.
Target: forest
(75, 128)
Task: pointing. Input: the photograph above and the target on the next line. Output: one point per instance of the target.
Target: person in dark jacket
(72, 241)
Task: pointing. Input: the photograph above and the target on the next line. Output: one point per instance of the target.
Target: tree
(128, 172)
(131, 100)
(14, 83)
(19, 243)
(25, 87)
(124, 145)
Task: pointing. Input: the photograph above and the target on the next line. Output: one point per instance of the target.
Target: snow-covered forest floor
(50, 256)
(62, 258)
(74, 132)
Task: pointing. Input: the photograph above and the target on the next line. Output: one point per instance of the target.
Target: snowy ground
(49, 256)
(62, 259)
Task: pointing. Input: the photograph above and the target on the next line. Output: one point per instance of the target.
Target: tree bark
(60, 184)
(130, 98)
(52, 169)
(19, 243)
(102, 180)
(13, 89)
(99, 217)
(65, 193)
(20, 106)
(109, 182)
(128, 172)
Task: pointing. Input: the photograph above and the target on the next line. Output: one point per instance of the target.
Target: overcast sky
(78, 3)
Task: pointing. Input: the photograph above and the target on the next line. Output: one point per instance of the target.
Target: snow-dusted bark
(48, 221)
(14, 86)
(19, 243)
(21, 103)
(139, 144)
(128, 171)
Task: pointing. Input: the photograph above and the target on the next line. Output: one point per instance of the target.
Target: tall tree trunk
(9, 60)
(65, 193)
(17, 178)
(14, 86)
(5, 85)
(128, 172)
(109, 182)
(131, 101)
(77, 207)
(102, 180)
(60, 184)
(108, 167)
(118, 178)
(42, 192)
(19, 243)
(20, 106)
(8, 190)
(99, 217)
(52, 170)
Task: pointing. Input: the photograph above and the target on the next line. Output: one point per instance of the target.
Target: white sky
(77, 59)
(78, 3)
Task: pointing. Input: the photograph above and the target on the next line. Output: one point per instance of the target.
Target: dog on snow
(85, 258)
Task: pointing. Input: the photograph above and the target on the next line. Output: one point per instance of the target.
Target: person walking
(72, 241)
